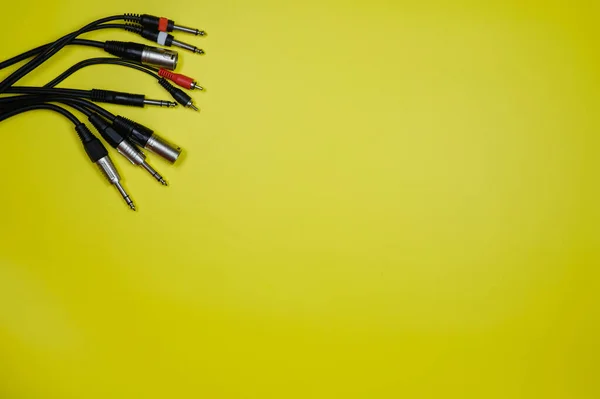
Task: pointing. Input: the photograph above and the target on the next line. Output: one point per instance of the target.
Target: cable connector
(165, 39)
(178, 95)
(146, 138)
(180, 80)
(166, 25)
(155, 56)
(123, 146)
(134, 100)
(98, 155)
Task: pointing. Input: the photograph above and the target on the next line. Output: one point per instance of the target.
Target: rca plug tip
(192, 106)
(125, 195)
(196, 86)
(154, 173)
(160, 103)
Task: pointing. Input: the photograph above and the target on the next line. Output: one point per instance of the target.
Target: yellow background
(380, 199)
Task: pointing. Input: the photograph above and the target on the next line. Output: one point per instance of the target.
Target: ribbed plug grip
(129, 17)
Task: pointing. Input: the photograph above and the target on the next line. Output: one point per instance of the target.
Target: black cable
(62, 99)
(41, 90)
(33, 107)
(53, 49)
(38, 50)
(103, 61)
(73, 105)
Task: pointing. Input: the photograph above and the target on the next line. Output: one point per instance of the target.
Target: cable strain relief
(129, 17)
(166, 85)
(166, 74)
(115, 48)
(99, 96)
(84, 133)
(133, 27)
(123, 124)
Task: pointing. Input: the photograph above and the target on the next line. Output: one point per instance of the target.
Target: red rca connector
(180, 80)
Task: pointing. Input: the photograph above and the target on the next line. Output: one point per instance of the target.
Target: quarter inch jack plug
(166, 25)
(98, 155)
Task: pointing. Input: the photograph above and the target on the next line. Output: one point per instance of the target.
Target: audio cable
(156, 36)
(56, 47)
(96, 95)
(127, 137)
(160, 75)
(116, 140)
(163, 24)
(134, 132)
(94, 149)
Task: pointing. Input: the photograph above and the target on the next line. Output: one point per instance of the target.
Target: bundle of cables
(128, 137)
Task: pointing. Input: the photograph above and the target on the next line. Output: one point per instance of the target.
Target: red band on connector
(163, 23)
(180, 80)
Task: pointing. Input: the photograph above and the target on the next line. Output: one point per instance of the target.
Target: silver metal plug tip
(160, 103)
(192, 106)
(196, 86)
(199, 51)
(201, 33)
(154, 173)
(124, 195)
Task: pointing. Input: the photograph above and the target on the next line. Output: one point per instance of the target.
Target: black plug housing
(109, 134)
(178, 95)
(93, 147)
(153, 36)
(116, 97)
(152, 22)
(133, 131)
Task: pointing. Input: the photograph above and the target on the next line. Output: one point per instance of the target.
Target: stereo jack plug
(162, 38)
(98, 155)
(124, 147)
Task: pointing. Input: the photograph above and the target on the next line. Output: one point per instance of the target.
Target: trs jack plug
(163, 38)
(180, 80)
(98, 155)
(178, 95)
(123, 146)
(166, 25)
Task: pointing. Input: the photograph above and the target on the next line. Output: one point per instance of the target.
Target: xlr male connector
(146, 138)
(154, 56)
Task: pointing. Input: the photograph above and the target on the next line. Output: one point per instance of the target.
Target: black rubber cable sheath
(33, 107)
